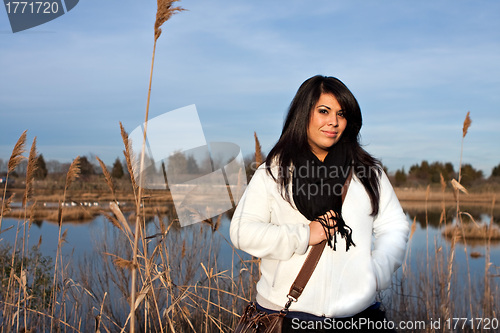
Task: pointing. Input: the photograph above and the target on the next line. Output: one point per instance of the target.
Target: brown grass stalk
(72, 174)
(30, 178)
(107, 177)
(14, 160)
(129, 158)
(457, 188)
(164, 11)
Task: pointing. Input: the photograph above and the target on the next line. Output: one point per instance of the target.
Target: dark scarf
(317, 188)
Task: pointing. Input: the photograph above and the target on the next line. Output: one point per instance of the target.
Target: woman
(294, 201)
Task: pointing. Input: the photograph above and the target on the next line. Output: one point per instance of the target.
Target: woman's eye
(341, 114)
(323, 111)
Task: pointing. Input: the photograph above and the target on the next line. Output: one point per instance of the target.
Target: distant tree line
(429, 173)
(56, 168)
(418, 174)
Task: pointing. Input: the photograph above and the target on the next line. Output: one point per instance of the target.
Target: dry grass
(435, 195)
(473, 231)
(180, 286)
(14, 161)
(51, 214)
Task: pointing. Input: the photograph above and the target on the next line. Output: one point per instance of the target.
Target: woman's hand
(317, 231)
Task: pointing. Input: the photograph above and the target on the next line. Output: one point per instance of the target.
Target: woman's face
(326, 125)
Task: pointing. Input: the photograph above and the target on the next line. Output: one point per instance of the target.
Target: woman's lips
(330, 134)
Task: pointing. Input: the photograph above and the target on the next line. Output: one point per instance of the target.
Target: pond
(82, 236)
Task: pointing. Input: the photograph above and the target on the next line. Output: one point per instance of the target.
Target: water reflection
(80, 232)
(436, 216)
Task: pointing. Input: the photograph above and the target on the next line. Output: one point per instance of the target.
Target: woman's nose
(333, 121)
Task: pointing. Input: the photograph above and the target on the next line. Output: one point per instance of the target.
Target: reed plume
(73, 173)
(465, 129)
(467, 123)
(15, 159)
(7, 205)
(258, 152)
(17, 153)
(164, 13)
(129, 157)
(71, 176)
(30, 173)
(107, 177)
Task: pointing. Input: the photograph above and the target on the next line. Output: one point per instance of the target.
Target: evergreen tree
(421, 172)
(437, 169)
(177, 164)
(86, 168)
(41, 170)
(400, 177)
(192, 165)
(117, 170)
(431, 173)
(470, 175)
(496, 171)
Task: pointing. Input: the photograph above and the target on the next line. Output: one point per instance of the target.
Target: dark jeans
(370, 320)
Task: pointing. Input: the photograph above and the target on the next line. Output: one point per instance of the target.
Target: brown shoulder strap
(312, 259)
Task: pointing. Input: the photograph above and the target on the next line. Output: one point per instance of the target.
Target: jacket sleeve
(390, 230)
(253, 229)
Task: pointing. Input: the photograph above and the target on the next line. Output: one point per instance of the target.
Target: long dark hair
(293, 140)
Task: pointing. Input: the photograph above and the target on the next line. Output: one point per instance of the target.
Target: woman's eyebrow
(326, 106)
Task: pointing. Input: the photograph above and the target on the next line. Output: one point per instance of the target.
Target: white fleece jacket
(343, 283)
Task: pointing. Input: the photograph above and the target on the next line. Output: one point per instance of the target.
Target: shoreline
(448, 196)
(404, 194)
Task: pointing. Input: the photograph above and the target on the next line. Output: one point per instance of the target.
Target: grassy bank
(448, 196)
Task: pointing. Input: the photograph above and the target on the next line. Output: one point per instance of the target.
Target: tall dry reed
(259, 158)
(72, 174)
(164, 11)
(18, 295)
(14, 160)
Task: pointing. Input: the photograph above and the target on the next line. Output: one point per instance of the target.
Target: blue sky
(416, 68)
